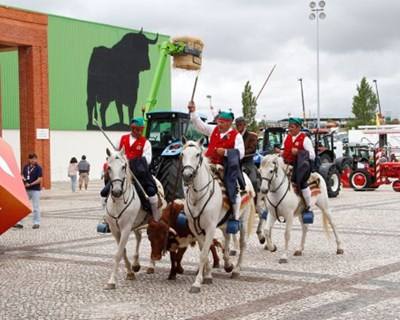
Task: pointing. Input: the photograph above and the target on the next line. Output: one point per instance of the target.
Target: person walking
(73, 172)
(84, 169)
(32, 177)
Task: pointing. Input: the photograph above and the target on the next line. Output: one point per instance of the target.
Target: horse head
(192, 158)
(118, 170)
(269, 170)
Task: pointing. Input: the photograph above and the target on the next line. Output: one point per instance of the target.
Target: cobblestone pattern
(59, 270)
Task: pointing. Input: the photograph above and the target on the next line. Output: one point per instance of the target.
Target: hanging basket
(190, 58)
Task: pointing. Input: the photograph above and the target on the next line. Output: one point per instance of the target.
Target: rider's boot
(234, 223)
(308, 215)
(154, 207)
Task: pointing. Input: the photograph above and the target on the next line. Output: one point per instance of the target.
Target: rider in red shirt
(299, 152)
(226, 147)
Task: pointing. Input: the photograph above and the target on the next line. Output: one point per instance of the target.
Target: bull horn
(154, 41)
(173, 231)
(141, 227)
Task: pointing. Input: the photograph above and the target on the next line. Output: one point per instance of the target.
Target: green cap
(297, 121)
(139, 122)
(226, 115)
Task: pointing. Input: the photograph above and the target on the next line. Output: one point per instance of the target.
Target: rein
(285, 177)
(196, 219)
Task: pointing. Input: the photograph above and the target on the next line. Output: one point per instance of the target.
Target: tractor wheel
(360, 180)
(170, 177)
(396, 185)
(333, 182)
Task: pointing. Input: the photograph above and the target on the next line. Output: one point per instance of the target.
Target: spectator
(84, 169)
(105, 175)
(32, 177)
(73, 172)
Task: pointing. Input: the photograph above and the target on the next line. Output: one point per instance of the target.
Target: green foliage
(249, 107)
(364, 104)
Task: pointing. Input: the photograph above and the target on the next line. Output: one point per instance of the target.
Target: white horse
(282, 202)
(124, 214)
(204, 206)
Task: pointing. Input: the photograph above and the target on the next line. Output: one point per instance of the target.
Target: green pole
(167, 48)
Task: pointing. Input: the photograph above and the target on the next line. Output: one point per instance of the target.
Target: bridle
(126, 186)
(269, 181)
(205, 188)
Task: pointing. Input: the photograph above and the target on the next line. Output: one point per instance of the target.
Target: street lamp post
(317, 12)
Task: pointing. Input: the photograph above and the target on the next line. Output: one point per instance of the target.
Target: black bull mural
(113, 75)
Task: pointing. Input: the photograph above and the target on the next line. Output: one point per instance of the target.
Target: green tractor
(164, 131)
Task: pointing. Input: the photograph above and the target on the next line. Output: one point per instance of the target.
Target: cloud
(244, 39)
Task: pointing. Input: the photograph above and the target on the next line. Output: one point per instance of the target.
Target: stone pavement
(59, 270)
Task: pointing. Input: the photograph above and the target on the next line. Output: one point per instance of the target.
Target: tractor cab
(272, 137)
(325, 146)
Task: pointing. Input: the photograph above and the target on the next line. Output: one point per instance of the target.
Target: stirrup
(233, 226)
(308, 216)
(103, 227)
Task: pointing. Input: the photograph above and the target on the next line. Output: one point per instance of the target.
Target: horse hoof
(150, 270)
(262, 240)
(232, 253)
(235, 275)
(194, 289)
(339, 251)
(229, 268)
(130, 276)
(110, 286)
(216, 266)
(172, 277)
(180, 270)
(298, 253)
(207, 281)
(136, 268)
(282, 260)
(274, 249)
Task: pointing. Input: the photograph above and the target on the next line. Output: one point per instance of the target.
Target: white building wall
(67, 144)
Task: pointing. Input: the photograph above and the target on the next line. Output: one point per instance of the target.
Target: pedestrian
(73, 172)
(84, 169)
(32, 177)
(105, 175)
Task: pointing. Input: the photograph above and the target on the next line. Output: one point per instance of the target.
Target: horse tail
(250, 220)
(325, 223)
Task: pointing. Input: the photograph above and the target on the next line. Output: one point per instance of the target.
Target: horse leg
(242, 248)
(268, 233)
(204, 245)
(235, 242)
(228, 266)
(129, 274)
(136, 263)
(327, 216)
(260, 235)
(288, 228)
(304, 228)
(103, 108)
(122, 238)
(120, 112)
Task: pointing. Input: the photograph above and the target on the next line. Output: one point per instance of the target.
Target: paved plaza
(59, 271)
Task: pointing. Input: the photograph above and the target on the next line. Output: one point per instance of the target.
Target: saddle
(217, 172)
(313, 182)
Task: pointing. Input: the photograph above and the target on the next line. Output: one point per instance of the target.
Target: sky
(244, 39)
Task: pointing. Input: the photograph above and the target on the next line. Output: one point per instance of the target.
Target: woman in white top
(73, 172)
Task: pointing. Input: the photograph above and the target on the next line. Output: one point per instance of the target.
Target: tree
(249, 107)
(364, 104)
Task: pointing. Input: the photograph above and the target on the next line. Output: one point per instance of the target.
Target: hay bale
(190, 59)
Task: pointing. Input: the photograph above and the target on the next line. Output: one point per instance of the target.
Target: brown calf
(166, 235)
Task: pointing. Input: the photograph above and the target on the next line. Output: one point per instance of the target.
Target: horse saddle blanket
(218, 173)
(313, 182)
